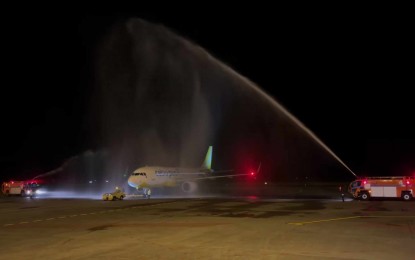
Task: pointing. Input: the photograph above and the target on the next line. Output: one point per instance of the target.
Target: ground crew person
(341, 192)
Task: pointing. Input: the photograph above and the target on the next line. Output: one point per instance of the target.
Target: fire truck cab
(383, 187)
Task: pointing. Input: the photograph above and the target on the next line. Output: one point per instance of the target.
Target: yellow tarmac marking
(92, 213)
(336, 219)
(323, 220)
(388, 216)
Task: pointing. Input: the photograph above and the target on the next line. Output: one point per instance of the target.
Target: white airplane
(158, 176)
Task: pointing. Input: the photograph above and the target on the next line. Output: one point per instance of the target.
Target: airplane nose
(131, 183)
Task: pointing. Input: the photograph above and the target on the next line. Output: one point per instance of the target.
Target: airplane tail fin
(207, 163)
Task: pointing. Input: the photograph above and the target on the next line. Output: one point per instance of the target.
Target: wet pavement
(206, 228)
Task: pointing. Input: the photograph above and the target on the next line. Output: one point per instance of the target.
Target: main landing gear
(147, 193)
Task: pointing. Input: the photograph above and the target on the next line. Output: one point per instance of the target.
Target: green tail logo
(207, 163)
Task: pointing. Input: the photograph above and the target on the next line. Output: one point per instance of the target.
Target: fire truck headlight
(29, 191)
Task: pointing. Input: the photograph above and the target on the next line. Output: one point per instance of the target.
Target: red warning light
(407, 182)
(364, 182)
(252, 173)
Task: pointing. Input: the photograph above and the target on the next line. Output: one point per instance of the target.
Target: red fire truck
(23, 188)
(383, 187)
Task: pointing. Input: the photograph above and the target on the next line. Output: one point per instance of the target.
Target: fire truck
(383, 187)
(23, 188)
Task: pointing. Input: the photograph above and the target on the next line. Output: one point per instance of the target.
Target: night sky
(348, 76)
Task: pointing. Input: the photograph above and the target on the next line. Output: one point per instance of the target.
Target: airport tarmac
(206, 228)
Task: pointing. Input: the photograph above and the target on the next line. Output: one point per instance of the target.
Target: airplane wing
(229, 175)
(220, 176)
(200, 172)
(220, 171)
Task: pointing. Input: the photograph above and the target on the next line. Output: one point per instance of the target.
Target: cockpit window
(139, 174)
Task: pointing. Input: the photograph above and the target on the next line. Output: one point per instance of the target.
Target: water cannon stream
(283, 110)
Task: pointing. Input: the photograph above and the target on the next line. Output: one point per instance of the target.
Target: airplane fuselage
(158, 176)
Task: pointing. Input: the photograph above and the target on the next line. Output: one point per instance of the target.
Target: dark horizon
(347, 80)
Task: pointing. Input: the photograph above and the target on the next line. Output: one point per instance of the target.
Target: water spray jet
(281, 108)
(160, 99)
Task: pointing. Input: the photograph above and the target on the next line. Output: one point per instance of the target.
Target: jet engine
(189, 186)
